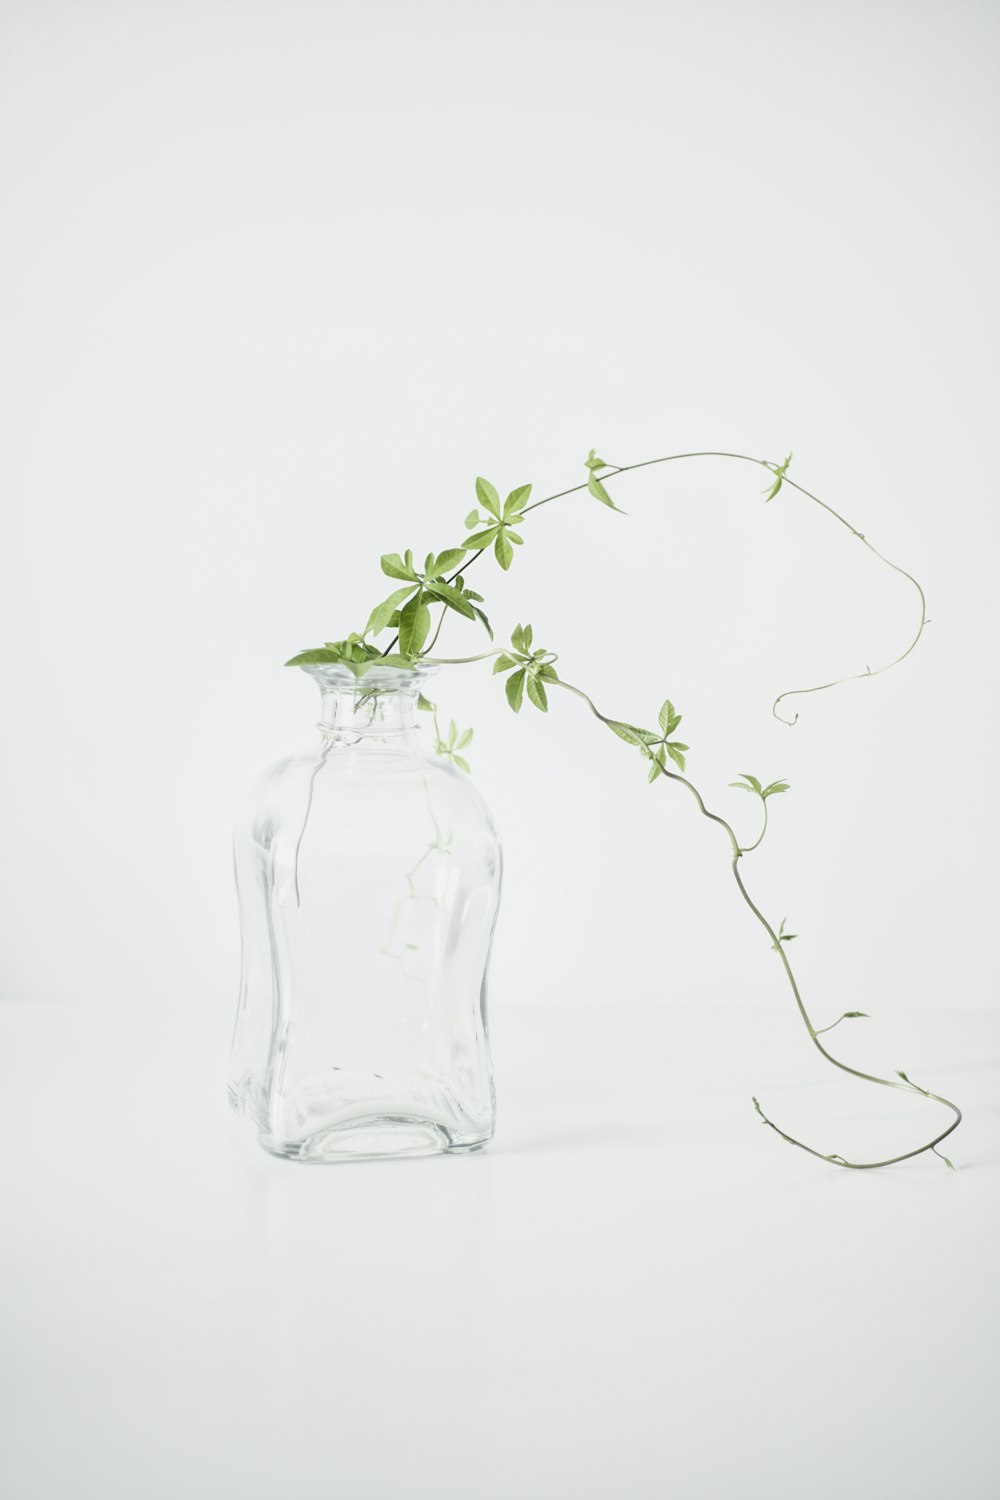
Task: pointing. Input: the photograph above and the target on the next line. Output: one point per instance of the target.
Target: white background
(278, 281)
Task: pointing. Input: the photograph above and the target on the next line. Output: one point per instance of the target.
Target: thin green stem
(868, 672)
(430, 648)
(320, 763)
(848, 1015)
(461, 661)
(647, 463)
(789, 974)
(771, 468)
(749, 848)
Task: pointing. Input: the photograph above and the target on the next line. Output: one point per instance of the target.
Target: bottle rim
(369, 678)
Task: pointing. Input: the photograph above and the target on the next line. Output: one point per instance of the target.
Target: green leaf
(779, 471)
(503, 664)
(465, 738)
(482, 538)
(488, 498)
(452, 734)
(676, 753)
(517, 638)
(514, 687)
(658, 766)
(855, 1015)
(480, 615)
(598, 491)
(514, 536)
(425, 703)
(537, 694)
(548, 672)
(527, 635)
(394, 566)
(626, 732)
(451, 596)
(741, 786)
(469, 594)
(414, 625)
(669, 718)
(315, 657)
(382, 614)
(755, 785)
(775, 788)
(445, 561)
(503, 550)
(462, 763)
(516, 501)
(472, 519)
(649, 736)
(593, 462)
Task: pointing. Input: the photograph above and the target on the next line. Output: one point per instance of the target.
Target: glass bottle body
(368, 874)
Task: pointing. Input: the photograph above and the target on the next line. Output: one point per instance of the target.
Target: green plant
(530, 673)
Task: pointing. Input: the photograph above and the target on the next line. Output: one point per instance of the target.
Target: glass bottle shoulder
(384, 778)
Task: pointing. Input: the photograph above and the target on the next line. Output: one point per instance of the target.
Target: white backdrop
(280, 280)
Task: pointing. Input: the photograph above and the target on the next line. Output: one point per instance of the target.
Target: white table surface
(636, 1291)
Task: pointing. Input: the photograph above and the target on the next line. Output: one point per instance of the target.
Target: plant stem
(888, 1083)
(749, 848)
(444, 611)
(466, 564)
(737, 851)
(771, 468)
(462, 661)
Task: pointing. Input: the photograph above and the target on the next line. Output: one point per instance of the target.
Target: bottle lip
(373, 679)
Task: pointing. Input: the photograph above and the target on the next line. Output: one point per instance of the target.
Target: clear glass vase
(368, 875)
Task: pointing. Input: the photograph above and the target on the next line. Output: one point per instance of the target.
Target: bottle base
(378, 1136)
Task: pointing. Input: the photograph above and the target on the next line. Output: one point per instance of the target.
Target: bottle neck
(377, 707)
(367, 714)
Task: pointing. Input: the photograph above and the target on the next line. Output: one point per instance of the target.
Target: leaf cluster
(751, 784)
(530, 670)
(779, 471)
(783, 936)
(594, 485)
(407, 610)
(447, 745)
(496, 528)
(354, 652)
(654, 747)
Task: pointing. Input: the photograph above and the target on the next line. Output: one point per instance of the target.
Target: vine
(530, 672)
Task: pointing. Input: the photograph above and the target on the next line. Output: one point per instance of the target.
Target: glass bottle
(368, 875)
